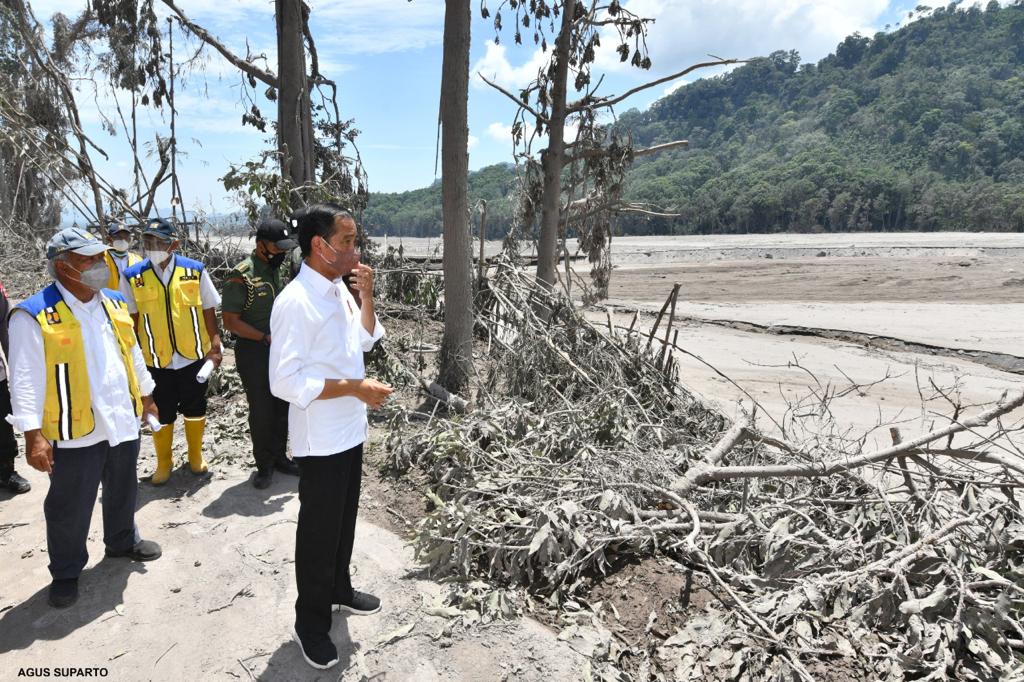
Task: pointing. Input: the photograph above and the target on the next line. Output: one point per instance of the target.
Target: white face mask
(93, 277)
(121, 244)
(158, 257)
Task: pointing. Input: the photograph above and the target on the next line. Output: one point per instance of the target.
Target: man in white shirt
(320, 333)
(9, 478)
(118, 256)
(174, 304)
(79, 387)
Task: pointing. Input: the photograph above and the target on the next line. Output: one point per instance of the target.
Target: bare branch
(520, 103)
(814, 469)
(612, 101)
(245, 66)
(661, 148)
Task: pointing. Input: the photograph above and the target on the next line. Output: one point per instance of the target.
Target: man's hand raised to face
(362, 281)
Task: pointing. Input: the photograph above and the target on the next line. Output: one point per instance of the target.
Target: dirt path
(219, 604)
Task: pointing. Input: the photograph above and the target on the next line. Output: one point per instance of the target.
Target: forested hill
(918, 129)
(417, 213)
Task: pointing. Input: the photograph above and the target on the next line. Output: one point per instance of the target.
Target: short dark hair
(317, 220)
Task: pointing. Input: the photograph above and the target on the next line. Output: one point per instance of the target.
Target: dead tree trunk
(294, 122)
(553, 158)
(457, 343)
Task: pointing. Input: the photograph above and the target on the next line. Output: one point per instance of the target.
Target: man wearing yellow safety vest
(79, 387)
(118, 257)
(173, 302)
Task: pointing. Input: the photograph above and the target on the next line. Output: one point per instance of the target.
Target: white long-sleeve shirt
(317, 334)
(112, 405)
(207, 294)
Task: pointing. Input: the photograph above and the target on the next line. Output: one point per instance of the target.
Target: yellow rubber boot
(162, 440)
(194, 436)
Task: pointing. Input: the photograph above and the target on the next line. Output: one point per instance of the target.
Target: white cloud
(473, 141)
(202, 12)
(675, 85)
(687, 31)
(500, 132)
(376, 26)
(495, 66)
(338, 26)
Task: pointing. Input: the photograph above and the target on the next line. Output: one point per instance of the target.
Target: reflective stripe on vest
(67, 408)
(170, 317)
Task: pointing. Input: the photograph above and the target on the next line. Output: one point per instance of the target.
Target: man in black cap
(249, 294)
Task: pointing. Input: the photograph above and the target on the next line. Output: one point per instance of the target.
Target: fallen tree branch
(827, 468)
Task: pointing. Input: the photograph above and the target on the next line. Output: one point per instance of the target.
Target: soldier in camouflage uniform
(249, 294)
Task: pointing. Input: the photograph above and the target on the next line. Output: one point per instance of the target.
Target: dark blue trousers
(77, 473)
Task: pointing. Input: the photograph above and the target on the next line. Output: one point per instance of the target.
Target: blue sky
(386, 57)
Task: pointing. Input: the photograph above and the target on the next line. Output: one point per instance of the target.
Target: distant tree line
(919, 129)
(417, 213)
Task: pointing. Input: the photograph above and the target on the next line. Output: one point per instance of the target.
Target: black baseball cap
(277, 233)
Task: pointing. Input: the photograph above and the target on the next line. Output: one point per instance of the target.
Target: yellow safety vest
(170, 317)
(114, 282)
(67, 409)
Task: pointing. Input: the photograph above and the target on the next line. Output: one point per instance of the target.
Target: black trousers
(268, 414)
(328, 504)
(8, 443)
(178, 392)
(77, 473)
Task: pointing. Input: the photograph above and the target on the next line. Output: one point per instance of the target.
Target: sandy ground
(970, 299)
(994, 328)
(977, 279)
(767, 368)
(705, 248)
(973, 304)
(219, 604)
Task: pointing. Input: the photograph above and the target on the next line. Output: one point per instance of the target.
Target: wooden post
(483, 236)
(894, 433)
(668, 325)
(661, 313)
(636, 318)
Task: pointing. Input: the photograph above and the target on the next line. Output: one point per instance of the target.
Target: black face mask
(274, 259)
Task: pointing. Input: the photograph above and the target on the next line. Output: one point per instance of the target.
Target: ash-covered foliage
(829, 560)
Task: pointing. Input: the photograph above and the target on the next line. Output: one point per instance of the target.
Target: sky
(385, 56)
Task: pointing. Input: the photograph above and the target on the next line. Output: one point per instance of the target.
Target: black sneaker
(15, 483)
(63, 593)
(144, 550)
(361, 604)
(287, 466)
(319, 652)
(262, 480)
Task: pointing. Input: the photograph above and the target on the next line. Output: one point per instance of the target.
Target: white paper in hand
(154, 423)
(205, 371)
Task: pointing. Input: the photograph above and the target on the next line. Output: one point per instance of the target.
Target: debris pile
(829, 559)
